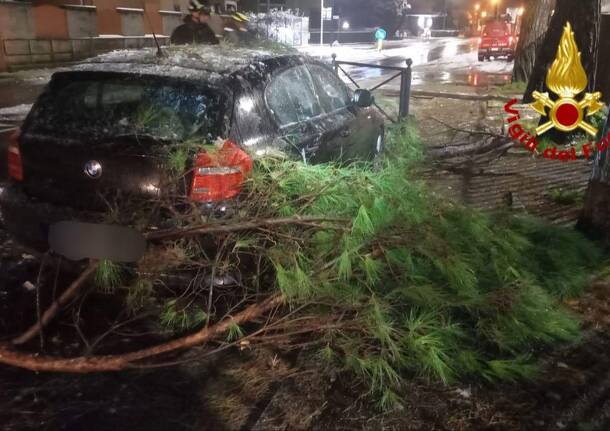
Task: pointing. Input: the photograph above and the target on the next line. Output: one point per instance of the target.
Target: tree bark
(534, 26)
(584, 15)
(594, 218)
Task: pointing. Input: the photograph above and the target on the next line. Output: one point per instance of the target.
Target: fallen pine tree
(393, 280)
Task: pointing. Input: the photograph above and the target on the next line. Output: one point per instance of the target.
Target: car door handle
(346, 133)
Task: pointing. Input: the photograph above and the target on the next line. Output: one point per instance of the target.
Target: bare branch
(52, 311)
(83, 364)
(235, 227)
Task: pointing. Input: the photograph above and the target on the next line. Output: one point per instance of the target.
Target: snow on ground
(14, 112)
(31, 75)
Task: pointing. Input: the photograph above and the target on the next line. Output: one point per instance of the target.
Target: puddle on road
(469, 78)
(472, 79)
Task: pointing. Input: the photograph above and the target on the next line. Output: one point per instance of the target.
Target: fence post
(405, 90)
(335, 65)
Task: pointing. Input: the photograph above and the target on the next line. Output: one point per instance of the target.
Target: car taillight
(480, 41)
(14, 163)
(220, 176)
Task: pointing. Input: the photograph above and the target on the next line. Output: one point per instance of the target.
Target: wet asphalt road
(421, 52)
(444, 61)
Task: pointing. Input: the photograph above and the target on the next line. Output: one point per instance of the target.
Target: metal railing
(404, 72)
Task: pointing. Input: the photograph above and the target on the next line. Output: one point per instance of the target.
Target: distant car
(95, 136)
(496, 41)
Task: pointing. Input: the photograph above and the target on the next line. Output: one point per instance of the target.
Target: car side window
(332, 92)
(291, 96)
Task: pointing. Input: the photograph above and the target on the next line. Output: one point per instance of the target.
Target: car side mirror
(363, 98)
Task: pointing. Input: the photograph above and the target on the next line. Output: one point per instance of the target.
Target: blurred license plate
(495, 49)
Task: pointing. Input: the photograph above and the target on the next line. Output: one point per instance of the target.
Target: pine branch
(235, 227)
(83, 364)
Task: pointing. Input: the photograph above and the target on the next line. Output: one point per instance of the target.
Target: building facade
(51, 31)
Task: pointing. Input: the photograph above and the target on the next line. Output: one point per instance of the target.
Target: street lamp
(345, 25)
(484, 14)
(495, 4)
(321, 23)
(476, 22)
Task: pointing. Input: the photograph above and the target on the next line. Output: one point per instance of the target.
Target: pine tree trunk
(533, 29)
(584, 15)
(595, 216)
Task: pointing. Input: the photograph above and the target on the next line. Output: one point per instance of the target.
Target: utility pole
(321, 23)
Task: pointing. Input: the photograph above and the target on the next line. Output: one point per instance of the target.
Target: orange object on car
(219, 176)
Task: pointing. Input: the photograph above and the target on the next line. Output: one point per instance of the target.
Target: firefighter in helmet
(236, 28)
(195, 28)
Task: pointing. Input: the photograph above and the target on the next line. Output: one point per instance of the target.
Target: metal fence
(403, 72)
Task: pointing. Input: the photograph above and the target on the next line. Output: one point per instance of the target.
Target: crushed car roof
(191, 61)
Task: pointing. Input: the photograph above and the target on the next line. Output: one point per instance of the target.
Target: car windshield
(101, 106)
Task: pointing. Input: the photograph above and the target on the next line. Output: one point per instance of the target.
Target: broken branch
(52, 311)
(83, 364)
(235, 227)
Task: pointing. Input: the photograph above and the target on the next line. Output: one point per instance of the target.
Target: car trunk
(95, 140)
(63, 176)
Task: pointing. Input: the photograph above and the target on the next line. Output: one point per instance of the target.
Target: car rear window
(101, 105)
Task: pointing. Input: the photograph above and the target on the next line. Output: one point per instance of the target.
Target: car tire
(481, 58)
(379, 149)
(380, 143)
(510, 57)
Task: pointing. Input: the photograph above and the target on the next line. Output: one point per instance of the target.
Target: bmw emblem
(93, 169)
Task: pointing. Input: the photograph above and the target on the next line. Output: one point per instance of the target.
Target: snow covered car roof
(192, 61)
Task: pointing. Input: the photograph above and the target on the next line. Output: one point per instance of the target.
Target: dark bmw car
(92, 138)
